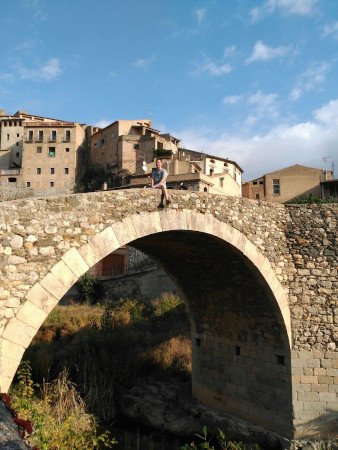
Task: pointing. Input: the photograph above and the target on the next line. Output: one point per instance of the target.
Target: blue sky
(251, 80)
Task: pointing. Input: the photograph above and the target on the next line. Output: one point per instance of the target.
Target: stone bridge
(259, 281)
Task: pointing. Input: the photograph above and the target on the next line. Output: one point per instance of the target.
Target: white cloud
(103, 123)
(47, 72)
(200, 14)
(287, 7)
(331, 30)
(299, 143)
(262, 52)
(314, 76)
(211, 67)
(6, 77)
(232, 99)
(229, 51)
(143, 63)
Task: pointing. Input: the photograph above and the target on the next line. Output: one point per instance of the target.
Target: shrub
(90, 289)
(57, 416)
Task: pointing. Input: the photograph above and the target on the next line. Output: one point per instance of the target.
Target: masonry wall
(288, 252)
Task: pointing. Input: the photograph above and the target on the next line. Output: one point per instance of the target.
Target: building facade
(54, 155)
(196, 171)
(125, 144)
(286, 184)
(44, 154)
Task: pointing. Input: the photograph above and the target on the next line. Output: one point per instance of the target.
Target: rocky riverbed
(168, 407)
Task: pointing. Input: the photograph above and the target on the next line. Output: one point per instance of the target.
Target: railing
(9, 171)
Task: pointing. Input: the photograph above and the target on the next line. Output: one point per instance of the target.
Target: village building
(197, 171)
(286, 184)
(44, 154)
(125, 144)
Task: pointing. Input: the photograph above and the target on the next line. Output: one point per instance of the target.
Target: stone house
(43, 154)
(197, 171)
(125, 144)
(286, 184)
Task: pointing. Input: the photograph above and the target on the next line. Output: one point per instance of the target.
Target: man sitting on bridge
(158, 181)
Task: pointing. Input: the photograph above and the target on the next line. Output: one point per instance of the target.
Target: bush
(57, 418)
(90, 289)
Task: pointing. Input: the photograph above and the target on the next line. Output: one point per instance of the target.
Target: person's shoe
(161, 206)
(168, 201)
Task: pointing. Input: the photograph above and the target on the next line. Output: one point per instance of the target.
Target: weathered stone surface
(259, 279)
(9, 434)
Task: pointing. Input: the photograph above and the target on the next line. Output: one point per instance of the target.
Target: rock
(16, 241)
(9, 436)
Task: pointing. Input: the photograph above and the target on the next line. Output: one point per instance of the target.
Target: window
(261, 182)
(51, 184)
(53, 136)
(17, 154)
(40, 136)
(38, 171)
(257, 197)
(67, 149)
(102, 141)
(11, 180)
(205, 189)
(66, 171)
(52, 170)
(17, 135)
(28, 184)
(221, 181)
(225, 164)
(211, 172)
(212, 161)
(254, 183)
(160, 145)
(67, 135)
(276, 186)
(30, 135)
(7, 137)
(17, 144)
(51, 151)
(38, 149)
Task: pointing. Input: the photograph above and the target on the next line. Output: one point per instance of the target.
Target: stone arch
(47, 292)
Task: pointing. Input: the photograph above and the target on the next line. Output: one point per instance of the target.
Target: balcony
(9, 172)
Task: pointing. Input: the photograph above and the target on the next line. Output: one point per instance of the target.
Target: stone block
(327, 397)
(319, 387)
(63, 273)
(8, 366)
(129, 226)
(109, 238)
(98, 246)
(5, 383)
(122, 233)
(40, 297)
(308, 397)
(75, 262)
(11, 350)
(89, 255)
(322, 379)
(31, 315)
(19, 332)
(309, 379)
(54, 286)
